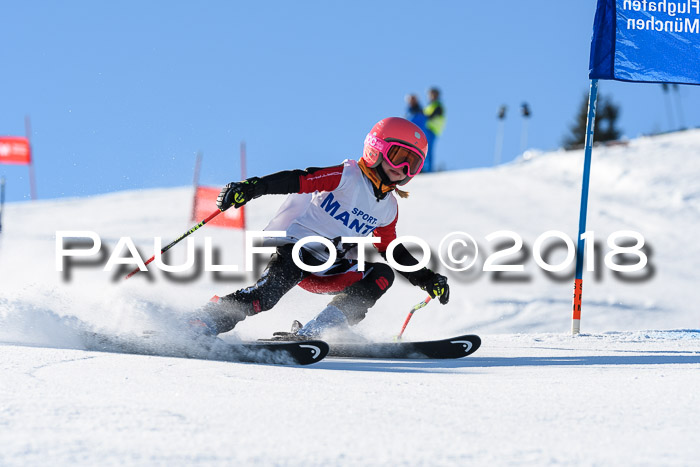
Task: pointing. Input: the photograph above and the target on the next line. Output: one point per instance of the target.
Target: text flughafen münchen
(679, 17)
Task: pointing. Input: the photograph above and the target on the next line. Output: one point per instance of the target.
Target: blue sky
(122, 95)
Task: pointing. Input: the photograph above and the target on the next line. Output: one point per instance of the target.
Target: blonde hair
(401, 193)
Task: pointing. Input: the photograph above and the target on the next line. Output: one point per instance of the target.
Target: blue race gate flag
(646, 41)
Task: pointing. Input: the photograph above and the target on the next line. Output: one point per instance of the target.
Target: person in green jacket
(436, 118)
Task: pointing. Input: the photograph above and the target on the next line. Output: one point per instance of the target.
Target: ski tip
(318, 349)
(307, 352)
(469, 344)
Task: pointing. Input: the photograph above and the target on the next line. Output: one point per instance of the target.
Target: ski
(303, 352)
(454, 347)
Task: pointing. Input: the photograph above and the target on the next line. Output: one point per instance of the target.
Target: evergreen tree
(607, 113)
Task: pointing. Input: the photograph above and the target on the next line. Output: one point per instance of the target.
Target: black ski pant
(282, 274)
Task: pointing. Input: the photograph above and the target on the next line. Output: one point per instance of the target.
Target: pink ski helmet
(399, 142)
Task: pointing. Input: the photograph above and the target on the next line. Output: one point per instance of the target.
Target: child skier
(355, 198)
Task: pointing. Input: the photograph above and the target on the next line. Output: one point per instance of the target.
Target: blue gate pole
(578, 281)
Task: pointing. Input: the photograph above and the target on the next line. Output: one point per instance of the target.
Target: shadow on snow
(444, 366)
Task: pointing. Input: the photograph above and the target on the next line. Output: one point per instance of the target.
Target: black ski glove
(436, 286)
(237, 194)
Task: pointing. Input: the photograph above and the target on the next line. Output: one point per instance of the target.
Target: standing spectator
(436, 117)
(414, 112)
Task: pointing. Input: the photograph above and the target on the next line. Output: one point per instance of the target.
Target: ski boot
(330, 320)
(216, 317)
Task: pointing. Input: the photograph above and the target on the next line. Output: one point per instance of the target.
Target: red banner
(14, 150)
(205, 204)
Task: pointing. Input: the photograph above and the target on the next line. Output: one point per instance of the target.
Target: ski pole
(410, 315)
(172, 244)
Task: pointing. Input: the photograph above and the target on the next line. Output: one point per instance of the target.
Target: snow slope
(623, 392)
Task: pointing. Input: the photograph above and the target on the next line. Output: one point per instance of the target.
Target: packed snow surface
(622, 392)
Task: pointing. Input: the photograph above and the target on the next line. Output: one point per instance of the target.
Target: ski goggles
(398, 155)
